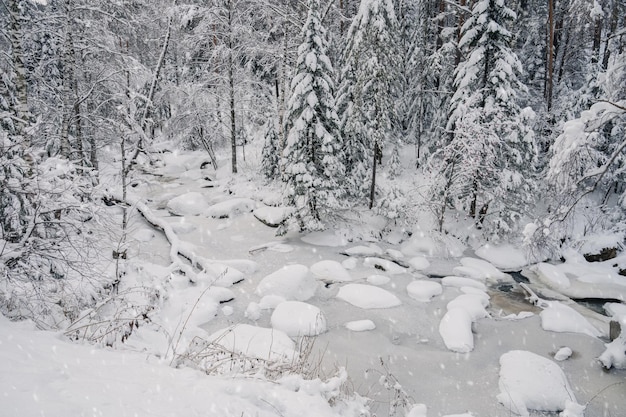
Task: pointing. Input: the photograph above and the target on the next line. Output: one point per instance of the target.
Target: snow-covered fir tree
(494, 172)
(270, 159)
(366, 93)
(312, 160)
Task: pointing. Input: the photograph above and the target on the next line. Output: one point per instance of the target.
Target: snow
(364, 251)
(230, 208)
(330, 271)
(360, 325)
(384, 265)
(455, 329)
(289, 282)
(551, 276)
(189, 204)
(417, 410)
(367, 296)
(562, 354)
(453, 281)
(531, 382)
(419, 263)
(558, 317)
(272, 216)
(45, 375)
(423, 290)
(326, 238)
(482, 270)
(473, 304)
(296, 318)
(378, 279)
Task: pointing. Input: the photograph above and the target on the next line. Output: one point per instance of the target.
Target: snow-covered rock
(455, 329)
(189, 204)
(423, 290)
(531, 382)
(372, 250)
(385, 265)
(255, 342)
(230, 208)
(563, 354)
(551, 276)
(506, 257)
(296, 318)
(367, 296)
(325, 238)
(272, 216)
(458, 282)
(360, 325)
(473, 304)
(558, 317)
(330, 271)
(292, 282)
(483, 269)
(419, 263)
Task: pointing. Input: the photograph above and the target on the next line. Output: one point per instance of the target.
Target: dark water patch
(436, 276)
(596, 304)
(518, 276)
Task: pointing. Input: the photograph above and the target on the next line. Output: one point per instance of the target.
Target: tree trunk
(15, 35)
(550, 57)
(373, 185)
(231, 86)
(612, 29)
(67, 84)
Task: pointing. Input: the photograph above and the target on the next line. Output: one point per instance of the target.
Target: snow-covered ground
(455, 343)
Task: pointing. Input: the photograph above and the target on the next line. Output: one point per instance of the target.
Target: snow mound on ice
(290, 282)
(435, 246)
(506, 256)
(417, 410)
(482, 270)
(531, 382)
(367, 296)
(423, 290)
(384, 265)
(325, 238)
(473, 304)
(330, 271)
(455, 329)
(460, 282)
(419, 263)
(551, 276)
(360, 325)
(371, 250)
(378, 279)
(272, 216)
(255, 342)
(189, 204)
(558, 317)
(563, 354)
(230, 208)
(296, 318)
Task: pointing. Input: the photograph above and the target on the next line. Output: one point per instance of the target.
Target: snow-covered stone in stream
(469, 272)
(296, 319)
(558, 317)
(253, 311)
(484, 269)
(435, 246)
(378, 279)
(459, 282)
(367, 296)
(220, 294)
(269, 302)
(330, 271)
(255, 342)
(417, 410)
(272, 216)
(230, 208)
(371, 250)
(220, 275)
(419, 263)
(506, 256)
(615, 354)
(144, 235)
(292, 282)
(423, 290)
(349, 263)
(384, 265)
(531, 382)
(325, 238)
(473, 304)
(183, 227)
(189, 204)
(563, 354)
(551, 276)
(394, 253)
(360, 325)
(455, 329)
(227, 310)
(475, 291)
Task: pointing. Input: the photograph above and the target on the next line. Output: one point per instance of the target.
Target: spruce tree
(312, 161)
(366, 94)
(499, 151)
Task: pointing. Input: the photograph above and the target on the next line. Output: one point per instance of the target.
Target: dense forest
(514, 113)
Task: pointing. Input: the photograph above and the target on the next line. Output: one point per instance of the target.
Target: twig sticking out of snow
(534, 298)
